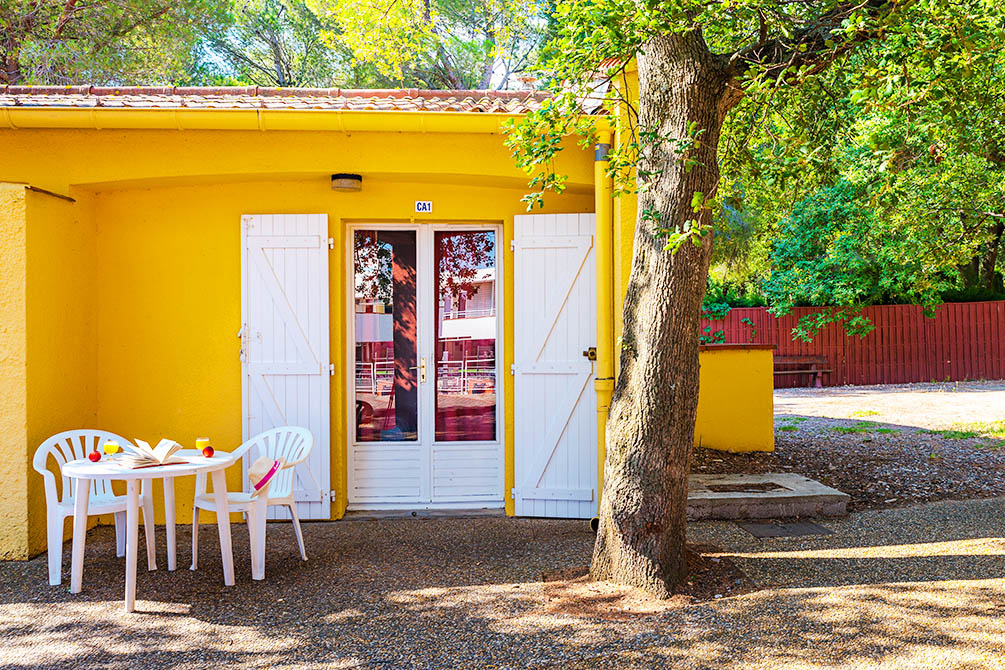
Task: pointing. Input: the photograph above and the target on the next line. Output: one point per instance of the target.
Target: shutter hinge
(243, 355)
(512, 369)
(512, 245)
(331, 242)
(327, 496)
(331, 369)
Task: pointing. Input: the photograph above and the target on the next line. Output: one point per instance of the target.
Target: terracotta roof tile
(253, 97)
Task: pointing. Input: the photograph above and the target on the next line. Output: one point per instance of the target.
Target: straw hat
(261, 473)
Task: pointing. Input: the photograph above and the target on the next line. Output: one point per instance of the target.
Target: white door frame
(425, 303)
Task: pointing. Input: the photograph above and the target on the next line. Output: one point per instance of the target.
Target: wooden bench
(815, 366)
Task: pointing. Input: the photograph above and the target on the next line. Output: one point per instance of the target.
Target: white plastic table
(84, 471)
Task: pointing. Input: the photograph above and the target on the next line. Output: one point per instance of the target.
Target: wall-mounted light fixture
(347, 182)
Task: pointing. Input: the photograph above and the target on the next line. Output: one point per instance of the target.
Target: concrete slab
(773, 495)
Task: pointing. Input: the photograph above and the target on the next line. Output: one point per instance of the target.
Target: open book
(146, 456)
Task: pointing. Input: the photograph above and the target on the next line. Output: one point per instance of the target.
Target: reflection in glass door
(465, 336)
(426, 420)
(387, 388)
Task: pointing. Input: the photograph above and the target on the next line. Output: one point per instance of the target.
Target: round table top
(112, 468)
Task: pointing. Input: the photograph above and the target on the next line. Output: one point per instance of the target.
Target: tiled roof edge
(399, 93)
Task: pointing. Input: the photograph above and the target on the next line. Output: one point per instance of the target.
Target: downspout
(604, 249)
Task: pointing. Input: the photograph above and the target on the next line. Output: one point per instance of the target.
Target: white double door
(425, 401)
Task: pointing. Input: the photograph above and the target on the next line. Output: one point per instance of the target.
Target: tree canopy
(907, 133)
(113, 41)
(273, 43)
(441, 44)
(444, 44)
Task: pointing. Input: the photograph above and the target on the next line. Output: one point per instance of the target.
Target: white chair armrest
(51, 494)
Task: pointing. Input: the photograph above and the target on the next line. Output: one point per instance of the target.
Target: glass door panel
(386, 375)
(465, 335)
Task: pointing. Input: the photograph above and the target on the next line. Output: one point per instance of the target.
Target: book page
(165, 449)
(146, 456)
(144, 450)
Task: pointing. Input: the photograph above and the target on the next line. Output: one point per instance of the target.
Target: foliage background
(881, 180)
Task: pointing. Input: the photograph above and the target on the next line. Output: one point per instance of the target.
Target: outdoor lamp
(347, 182)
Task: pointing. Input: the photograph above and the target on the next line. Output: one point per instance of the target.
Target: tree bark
(12, 70)
(488, 67)
(650, 429)
(989, 278)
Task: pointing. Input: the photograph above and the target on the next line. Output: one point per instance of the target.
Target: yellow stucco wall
(169, 298)
(57, 159)
(735, 399)
(163, 211)
(61, 321)
(625, 211)
(13, 362)
(47, 346)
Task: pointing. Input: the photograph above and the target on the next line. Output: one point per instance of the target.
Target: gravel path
(935, 406)
(912, 588)
(886, 446)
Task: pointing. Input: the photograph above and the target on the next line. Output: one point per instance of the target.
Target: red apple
(94, 456)
(208, 452)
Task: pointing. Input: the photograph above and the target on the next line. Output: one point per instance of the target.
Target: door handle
(422, 370)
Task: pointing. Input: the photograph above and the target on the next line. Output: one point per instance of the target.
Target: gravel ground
(886, 446)
(934, 406)
(911, 588)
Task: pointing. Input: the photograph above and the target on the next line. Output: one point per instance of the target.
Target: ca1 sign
(423, 206)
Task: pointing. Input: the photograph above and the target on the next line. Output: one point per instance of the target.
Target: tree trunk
(989, 278)
(12, 73)
(11, 65)
(650, 429)
(489, 66)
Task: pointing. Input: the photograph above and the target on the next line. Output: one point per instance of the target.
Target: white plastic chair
(291, 443)
(68, 446)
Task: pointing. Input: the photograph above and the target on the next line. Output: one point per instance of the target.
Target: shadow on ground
(466, 593)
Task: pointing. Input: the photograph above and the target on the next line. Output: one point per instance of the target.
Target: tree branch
(815, 45)
(68, 10)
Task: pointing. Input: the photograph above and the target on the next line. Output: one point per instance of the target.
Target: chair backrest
(291, 443)
(71, 445)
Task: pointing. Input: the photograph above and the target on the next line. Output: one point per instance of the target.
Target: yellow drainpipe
(604, 249)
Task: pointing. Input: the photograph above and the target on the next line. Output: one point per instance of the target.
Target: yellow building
(185, 262)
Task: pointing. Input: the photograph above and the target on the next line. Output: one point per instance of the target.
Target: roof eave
(181, 118)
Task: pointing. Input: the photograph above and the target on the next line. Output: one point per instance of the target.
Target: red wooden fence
(963, 341)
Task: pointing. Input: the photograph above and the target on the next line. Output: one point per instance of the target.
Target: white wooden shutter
(555, 442)
(285, 342)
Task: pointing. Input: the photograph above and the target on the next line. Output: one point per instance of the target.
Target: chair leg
(296, 529)
(195, 538)
(120, 534)
(257, 542)
(149, 531)
(54, 536)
